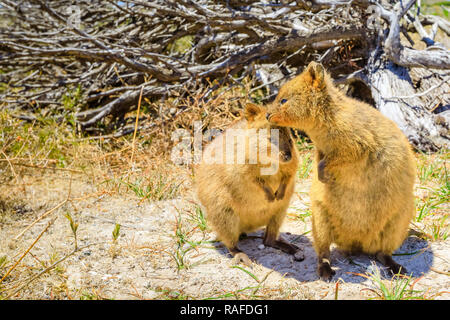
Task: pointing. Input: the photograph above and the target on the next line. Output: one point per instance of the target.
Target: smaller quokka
(240, 197)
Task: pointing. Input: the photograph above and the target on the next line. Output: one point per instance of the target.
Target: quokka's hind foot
(324, 270)
(393, 266)
(240, 257)
(285, 246)
(242, 236)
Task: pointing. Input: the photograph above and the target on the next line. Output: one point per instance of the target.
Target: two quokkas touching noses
(362, 190)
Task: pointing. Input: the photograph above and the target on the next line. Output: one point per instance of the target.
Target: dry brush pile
(90, 61)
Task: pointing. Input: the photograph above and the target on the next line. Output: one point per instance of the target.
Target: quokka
(238, 197)
(362, 191)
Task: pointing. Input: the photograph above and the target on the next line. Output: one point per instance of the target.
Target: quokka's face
(283, 142)
(296, 100)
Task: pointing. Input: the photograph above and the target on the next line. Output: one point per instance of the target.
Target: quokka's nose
(267, 116)
(287, 156)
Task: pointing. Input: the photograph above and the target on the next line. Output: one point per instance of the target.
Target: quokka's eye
(283, 101)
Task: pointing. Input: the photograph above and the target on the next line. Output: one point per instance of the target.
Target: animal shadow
(415, 255)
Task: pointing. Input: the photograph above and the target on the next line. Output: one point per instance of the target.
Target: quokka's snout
(286, 156)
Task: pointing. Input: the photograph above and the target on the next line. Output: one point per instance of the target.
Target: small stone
(261, 246)
(299, 256)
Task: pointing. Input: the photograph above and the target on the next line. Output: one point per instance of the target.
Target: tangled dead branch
(105, 51)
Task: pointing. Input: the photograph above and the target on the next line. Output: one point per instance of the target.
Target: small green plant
(73, 227)
(138, 189)
(183, 244)
(46, 138)
(427, 208)
(169, 294)
(181, 240)
(116, 232)
(3, 260)
(303, 215)
(400, 287)
(54, 257)
(86, 295)
(157, 188)
(181, 45)
(72, 98)
(198, 218)
(243, 293)
(432, 167)
(114, 250)
(305, 166)
(247, 272)
(432, 173)
(439, 229)
(258, 95)
(439, 8)
(303, 144)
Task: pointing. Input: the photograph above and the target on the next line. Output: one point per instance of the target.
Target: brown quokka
(241, 197)
(362, 190)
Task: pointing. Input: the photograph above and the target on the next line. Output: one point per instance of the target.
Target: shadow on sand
(415, 255)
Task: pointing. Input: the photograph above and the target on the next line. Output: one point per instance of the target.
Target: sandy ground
(142, 264)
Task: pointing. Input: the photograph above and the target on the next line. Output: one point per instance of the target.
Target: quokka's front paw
(322, 172)
(270, 197)
(279, 194)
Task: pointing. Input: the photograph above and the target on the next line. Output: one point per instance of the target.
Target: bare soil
(162, 253)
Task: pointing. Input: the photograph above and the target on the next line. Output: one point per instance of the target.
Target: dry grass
(433, 195)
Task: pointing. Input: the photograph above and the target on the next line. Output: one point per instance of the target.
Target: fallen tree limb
(94, 57)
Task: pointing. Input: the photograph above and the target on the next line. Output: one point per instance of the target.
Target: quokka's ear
(317, 73)
(252, 110)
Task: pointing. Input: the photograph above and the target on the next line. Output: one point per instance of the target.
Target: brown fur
(237, 198)
(362, 191)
